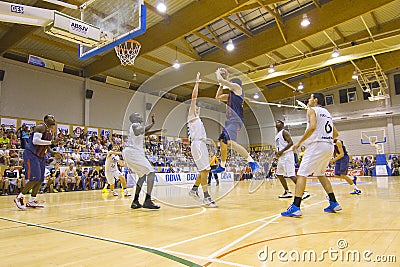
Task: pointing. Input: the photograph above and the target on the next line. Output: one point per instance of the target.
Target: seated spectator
(71, 177)
(4, 155)
(59, 181)
(4, 140)
(47, 185)
(102, 176)
(24, 179)
(11, 181)
(14, 155)
(86, 179)
(80, 176)
(85, 157)
(94, 178)
(395, 166)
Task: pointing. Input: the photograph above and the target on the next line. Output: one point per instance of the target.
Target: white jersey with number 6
(324, 128)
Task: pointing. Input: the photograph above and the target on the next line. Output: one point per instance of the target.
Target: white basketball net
(127, 52)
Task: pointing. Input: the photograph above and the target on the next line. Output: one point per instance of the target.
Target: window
(347, 95)
(397, 83)
(329, 100)
(366, 95)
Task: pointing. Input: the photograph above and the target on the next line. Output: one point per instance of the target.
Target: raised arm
(195, 93)
(148, 127)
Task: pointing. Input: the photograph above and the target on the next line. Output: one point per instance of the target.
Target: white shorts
(137, 163)
(316, 158)
(200, 155)
(285, 166)
(112, 175)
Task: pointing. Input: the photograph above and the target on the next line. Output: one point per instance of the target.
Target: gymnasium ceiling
(264, 32)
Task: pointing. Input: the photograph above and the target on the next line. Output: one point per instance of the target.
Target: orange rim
(129, 41)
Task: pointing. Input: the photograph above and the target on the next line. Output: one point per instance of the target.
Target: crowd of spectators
(86, 153)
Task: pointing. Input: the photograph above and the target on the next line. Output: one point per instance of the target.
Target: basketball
(224, 73)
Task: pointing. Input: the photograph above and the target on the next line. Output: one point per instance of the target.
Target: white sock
(32, 199)
(223, 164)
(355, 187)
(249, 159)
(20, 195)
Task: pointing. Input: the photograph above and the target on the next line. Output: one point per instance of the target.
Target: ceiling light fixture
(271, 69)
(335, 52)
(230, 46)
(305, 21)
(256, 96)
(161, 7)
(355, 75)
(176, 63)
(300, 87)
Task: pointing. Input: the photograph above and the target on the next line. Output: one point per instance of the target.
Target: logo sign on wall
(30, 124)
(77, 130)
(62, 129)
(105, 132)
(93, 130)
(8, 122)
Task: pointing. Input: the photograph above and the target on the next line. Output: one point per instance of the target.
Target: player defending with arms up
(321, 132)
(35, 160)
(198, 147)
(135, 159)
(113, 173)
(234, 119)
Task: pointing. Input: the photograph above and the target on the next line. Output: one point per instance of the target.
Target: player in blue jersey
(34, 161)
(234, 119)
(341, 160)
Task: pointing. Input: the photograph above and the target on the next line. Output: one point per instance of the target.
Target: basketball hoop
(127, 52)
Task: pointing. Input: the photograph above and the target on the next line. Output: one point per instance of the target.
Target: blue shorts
(342, 165)
(34, 166)
(230, 131)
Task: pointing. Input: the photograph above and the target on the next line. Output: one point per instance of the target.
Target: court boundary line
(158, 251)
(141, 247)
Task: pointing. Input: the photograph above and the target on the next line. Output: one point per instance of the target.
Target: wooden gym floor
(90, 229)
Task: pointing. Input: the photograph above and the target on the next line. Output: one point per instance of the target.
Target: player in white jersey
(135, 159)
(285, 156)
(198, 147)
(113, 173)
(321, 132)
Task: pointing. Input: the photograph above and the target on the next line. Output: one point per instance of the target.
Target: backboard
(118, 21)
(373, 137)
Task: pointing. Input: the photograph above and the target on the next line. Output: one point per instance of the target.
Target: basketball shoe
(19, 201)
(219, 169)
(333, 207)
(292, 211)
(287, 194)
(195, 194)
(34, 204)
(254, 166)
(148, 204)
(209, 202)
